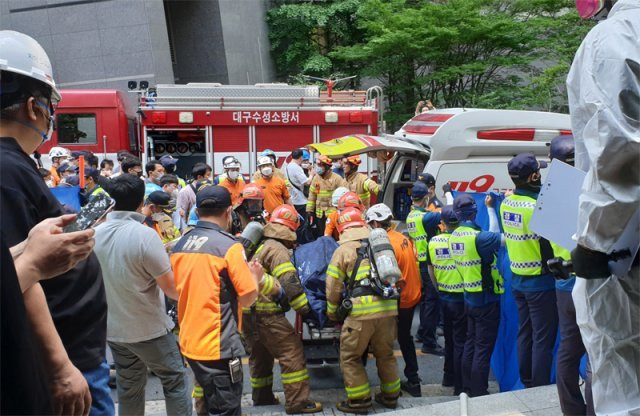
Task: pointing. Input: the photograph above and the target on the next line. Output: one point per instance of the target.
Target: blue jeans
(98, 381)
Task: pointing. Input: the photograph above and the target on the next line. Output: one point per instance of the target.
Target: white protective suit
(603, 78)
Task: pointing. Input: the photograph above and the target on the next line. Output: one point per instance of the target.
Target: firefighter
(249, 207)
(359, 182)
(322, 186)
(422, 225)
(380, 216)
(349, 199)
(273, 187)
(157, 211)
(331, 226)
(372, 320)
(474, 252)
(57, 155)
(533, 284)
(276, 171)
(442, 269)
(232, 179)
(266, 329)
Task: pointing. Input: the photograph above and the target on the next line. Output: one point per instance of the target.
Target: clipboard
(556, 214)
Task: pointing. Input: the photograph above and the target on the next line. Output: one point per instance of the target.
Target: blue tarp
(311, 260)
(68, 195)
(504, 361)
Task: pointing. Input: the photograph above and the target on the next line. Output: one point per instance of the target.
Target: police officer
(372, 320)
(442, 268)
(267, 330)
(169, 162)
(322, 186)
(571, 348)
(157, 211)
(533, 284)
(422, 225)
(474, 252)
(359, 182)
(91, 187)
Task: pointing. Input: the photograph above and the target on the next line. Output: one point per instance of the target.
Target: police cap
(213, 197)
(524, 164)
(419, 190)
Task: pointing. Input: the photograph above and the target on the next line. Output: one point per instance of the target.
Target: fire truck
(204, 122)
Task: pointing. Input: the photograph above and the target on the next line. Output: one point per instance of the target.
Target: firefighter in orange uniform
(359, 182)
(331, 226)
(232, 179)
(380, 216)
(266, 329)
(347, 200)
(371, 321)
(212, 278)
(274, 188)
(322, 186)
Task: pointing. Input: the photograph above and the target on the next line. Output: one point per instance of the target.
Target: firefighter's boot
(358, 406)
(388, 401)
(309, 407)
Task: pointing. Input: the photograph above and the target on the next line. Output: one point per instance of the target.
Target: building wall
(105, 43)
(246, 43)
(195, 32)
(96, 44)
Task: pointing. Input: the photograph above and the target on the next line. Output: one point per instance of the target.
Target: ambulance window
(76, 128)
(410, 170)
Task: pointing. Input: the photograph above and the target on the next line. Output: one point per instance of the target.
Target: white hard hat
(337, 194)
(264, 160)
(21, 54)
(58, 152)
(231, 163)
(378, 212)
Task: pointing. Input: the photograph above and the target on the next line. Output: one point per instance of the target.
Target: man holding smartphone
(68, 314)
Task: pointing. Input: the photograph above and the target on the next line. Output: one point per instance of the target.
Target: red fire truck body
(206, 122)
(94, 120)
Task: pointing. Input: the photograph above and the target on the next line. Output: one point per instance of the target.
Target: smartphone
(91, 213)
(235, 370)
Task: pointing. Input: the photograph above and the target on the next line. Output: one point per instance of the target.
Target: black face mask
(534, 186)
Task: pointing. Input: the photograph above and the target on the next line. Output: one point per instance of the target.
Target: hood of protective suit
(279, 231)
(354, 234)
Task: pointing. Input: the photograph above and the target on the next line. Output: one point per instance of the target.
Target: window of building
(77, 128)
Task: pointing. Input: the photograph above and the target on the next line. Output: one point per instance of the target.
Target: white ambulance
(468, 148)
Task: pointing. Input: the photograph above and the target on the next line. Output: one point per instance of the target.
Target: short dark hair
(44, 172)
(129, 163)
(520, 182)
(16, 89)
(106, 162)
(151, 165)
(296, 154)
(93, 160)
(128, 192)
(211, 212)
(200, 169)
(123, 154)
(168, 179)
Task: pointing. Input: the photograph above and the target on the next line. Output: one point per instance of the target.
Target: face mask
(49, 184)
(305, 165)
(320, 170)
(266, 171)
(159, 177)
(174, 194)
(233, 175)
(47, 136)
(139, 174)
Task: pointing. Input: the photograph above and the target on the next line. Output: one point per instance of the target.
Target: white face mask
(233, 175)
(306, 165)
(268, 171)
(49, 184)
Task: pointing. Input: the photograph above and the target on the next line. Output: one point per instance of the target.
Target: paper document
(556, 214)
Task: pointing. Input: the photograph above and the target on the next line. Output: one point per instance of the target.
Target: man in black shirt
(73, 342)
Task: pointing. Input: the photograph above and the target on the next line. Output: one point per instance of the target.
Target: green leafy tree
(481, 53)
